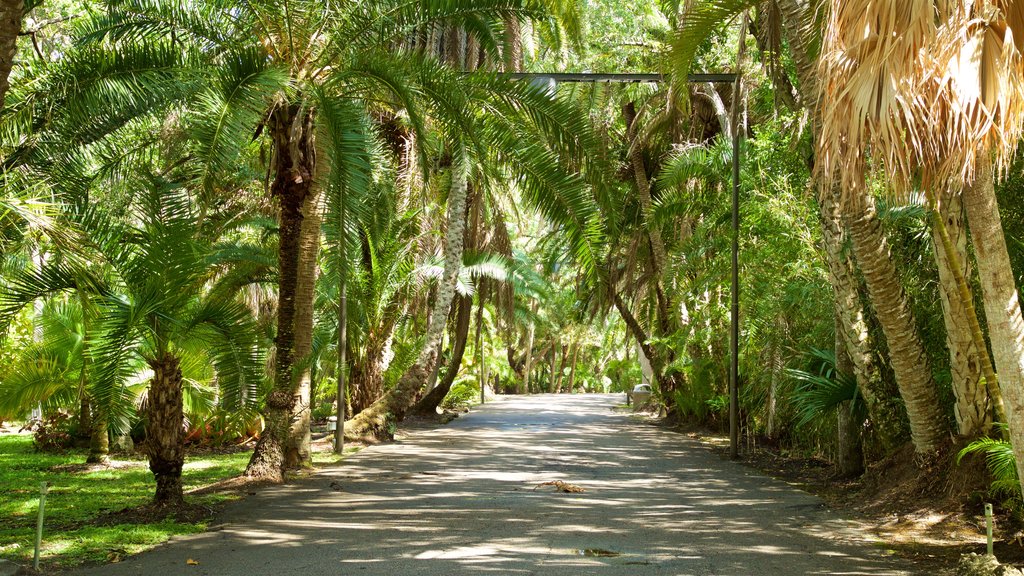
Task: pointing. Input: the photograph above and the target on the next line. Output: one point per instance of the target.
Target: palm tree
(263, 68)
(152, 311)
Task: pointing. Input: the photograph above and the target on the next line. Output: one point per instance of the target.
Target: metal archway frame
(734, 315)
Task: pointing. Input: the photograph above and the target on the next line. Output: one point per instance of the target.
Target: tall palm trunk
(429, 403)
(291, 128)
(1002, 302)
(165, 434)
(11, 13)
(460, 337)
(909, 361)
(973, 416)
(297, 452)
(373, 422)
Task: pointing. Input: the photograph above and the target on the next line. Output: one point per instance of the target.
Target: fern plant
(1000, 461)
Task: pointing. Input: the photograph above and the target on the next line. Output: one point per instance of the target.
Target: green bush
(322, 412)
(463, 392)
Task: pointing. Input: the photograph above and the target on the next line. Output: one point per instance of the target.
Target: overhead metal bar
(622, 78)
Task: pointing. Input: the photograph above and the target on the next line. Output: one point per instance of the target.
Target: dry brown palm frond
(869, 54)
(971, 91)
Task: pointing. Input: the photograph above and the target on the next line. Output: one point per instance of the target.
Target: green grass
(78, 497)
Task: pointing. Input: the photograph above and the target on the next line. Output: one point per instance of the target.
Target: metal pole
(339, 432)
(734, 316)
(43, 489)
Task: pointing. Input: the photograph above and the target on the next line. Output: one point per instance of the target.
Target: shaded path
(460, 500)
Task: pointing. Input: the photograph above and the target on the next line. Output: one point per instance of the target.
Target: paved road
(461, 500)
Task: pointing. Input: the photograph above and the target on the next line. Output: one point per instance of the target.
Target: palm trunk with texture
(906, 352)
(297, 452)
(1002, 302)
(11, 13)
(291, 128)
(374, 421)
(165, 434)
(973, 415)
(429, 403)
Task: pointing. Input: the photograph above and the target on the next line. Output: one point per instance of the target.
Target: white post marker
(988, 527)
(43, 489)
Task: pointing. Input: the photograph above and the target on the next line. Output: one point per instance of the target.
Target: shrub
(463, 392)
(322, 412)
(53, 432)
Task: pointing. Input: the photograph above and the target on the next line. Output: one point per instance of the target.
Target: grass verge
(82, 524)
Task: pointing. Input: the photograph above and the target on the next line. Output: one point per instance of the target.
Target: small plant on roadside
(463, 391)
(1001, 464)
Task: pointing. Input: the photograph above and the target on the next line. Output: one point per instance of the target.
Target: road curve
(464, 499)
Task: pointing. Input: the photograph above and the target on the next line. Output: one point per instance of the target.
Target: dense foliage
(218, 215)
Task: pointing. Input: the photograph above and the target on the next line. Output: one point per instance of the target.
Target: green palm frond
(226, 113)
(1000, 461)
(820, 393)
(698, 24)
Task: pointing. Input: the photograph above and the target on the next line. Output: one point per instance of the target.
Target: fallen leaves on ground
(561, 486)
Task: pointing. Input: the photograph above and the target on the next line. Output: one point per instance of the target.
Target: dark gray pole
(339, 432)
(734, 316)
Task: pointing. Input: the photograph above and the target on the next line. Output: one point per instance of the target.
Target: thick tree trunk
(11, 13)
(1002, 302)
(294, 164)
(909, 361)
(973, 416)
(886, 417)
(165, 434)
(433, 399)
(373, 422)
(297, 454)
(513, 49)
(99, 441)
(366, 382)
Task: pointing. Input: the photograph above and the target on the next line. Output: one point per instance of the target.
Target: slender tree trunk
(528, 367)
(429, 403)
(1002, 302)
(909, 361)
(373, 422)
(572, 368)
(973, 416)
(291, 128)
(657, 243)
(11, 13)
(165, 434)
(851, 446)
(297, 454)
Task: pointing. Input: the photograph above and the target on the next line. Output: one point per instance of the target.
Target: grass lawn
(79, 497)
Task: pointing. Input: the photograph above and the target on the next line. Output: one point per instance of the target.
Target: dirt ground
(931, 513)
